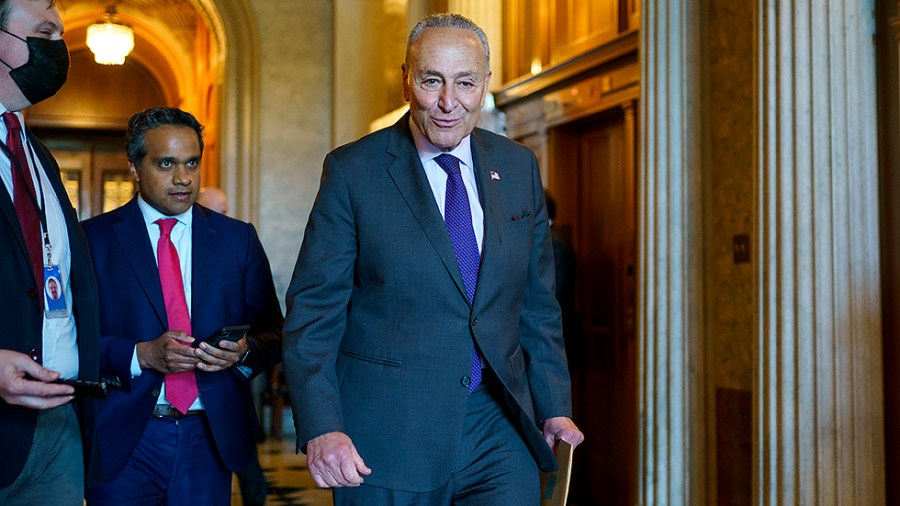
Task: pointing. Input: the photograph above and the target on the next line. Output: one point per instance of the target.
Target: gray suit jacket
(378, 337)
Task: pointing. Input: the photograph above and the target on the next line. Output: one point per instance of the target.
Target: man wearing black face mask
(46, 436)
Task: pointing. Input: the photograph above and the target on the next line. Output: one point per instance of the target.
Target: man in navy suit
(171, 273)
(46, 433)
(423, 343)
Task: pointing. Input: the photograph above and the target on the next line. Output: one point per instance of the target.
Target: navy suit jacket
(231, 284)
(21, 315)
(379, 332)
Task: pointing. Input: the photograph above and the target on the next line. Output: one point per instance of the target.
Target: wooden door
(94, 169)
(592, 178)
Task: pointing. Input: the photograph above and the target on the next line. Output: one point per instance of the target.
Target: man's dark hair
(4, 11)
(140, 123)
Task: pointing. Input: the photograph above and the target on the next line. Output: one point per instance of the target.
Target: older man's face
(445, 84)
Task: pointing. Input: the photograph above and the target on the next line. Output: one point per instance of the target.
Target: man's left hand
(561, 427)
(216, 358)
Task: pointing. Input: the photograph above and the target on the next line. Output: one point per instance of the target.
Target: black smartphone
(84, 388)
(232, 333)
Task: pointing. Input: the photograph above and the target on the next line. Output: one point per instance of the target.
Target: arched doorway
(199, 55)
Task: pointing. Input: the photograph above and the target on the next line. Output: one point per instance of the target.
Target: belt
(169, 411)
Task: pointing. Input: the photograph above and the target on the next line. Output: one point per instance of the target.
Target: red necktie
(181, 387)
(23, 203)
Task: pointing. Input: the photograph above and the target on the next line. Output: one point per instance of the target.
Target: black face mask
(45, 71)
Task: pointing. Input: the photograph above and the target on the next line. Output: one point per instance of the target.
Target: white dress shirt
(181, 238)
(437, 177)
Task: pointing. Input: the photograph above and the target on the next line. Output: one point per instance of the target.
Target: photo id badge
(54, 295)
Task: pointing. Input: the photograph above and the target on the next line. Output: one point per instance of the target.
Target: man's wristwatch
(245, 360)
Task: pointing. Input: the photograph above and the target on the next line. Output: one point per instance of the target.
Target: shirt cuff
(135, 364)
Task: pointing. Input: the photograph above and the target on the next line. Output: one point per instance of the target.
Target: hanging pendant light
(109, 40)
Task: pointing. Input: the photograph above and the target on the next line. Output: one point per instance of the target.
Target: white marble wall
(670, 297)
(820, 438)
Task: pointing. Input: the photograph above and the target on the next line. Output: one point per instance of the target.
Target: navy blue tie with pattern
(458, 218)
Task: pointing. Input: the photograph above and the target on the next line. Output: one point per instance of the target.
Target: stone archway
(235, 30)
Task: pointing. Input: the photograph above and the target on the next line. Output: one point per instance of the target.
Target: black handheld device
(232, 333)
(84, 388)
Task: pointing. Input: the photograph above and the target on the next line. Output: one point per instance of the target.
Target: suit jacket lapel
(131, 232)
(6, 206)
(489, 195)
(8, 209)
(51, 169)
(409, 176)
(204, 251)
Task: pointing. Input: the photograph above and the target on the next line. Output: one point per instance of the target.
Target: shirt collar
(18, 115)
(427, 150)
(151, 214)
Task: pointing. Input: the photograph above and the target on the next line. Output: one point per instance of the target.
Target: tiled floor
(289, 482)
(286, 475)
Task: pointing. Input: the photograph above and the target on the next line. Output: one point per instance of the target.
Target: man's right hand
(168, 353)
(25, 383)
(333, 461)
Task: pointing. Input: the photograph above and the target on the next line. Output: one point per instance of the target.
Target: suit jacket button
(464, 381)
(32, 294)
(475, 321)
(155, 393)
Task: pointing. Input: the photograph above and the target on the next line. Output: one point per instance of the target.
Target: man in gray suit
(423, 343)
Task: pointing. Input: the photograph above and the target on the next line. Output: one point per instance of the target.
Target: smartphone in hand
(84, 388)
(232, 333)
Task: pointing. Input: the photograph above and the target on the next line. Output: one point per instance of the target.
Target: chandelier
(109, 40)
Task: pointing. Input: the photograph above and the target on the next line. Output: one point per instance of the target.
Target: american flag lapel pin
(495, 176)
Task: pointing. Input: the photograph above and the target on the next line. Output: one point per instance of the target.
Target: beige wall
(327, 70)
(369, 46)
(295, 121)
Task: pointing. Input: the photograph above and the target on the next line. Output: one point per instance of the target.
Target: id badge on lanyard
(55, 305)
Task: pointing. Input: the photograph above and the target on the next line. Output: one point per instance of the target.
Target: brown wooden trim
(625, 44)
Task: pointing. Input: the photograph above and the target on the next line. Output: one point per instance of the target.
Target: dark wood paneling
(888, 75)
(734, 446)
(542, 34)
(590, 175)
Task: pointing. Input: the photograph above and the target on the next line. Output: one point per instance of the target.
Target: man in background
(170, 274)
(45, 442)
(214, 199)
(565, 262)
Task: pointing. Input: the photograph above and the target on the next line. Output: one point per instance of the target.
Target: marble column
(669, 257)
(819, 423)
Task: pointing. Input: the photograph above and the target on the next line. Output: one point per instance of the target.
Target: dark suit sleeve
(116, 349)
(317, 301)
(263, 309)
(116, 353)
(541, 324)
